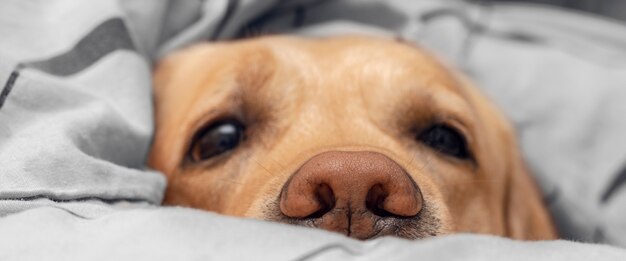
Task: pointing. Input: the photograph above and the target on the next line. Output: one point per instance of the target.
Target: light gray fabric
(185, 234)
(77, 121)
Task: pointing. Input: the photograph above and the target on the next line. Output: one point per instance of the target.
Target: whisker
(429, 158)
(282, 168)
(412, 158)
(263, 167)
(229, 181)
(484, 181)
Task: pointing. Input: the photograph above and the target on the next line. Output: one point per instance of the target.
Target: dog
(363, 136)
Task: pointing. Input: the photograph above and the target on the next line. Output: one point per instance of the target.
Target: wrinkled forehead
(316, 59)
(357, 64)
(373, 71)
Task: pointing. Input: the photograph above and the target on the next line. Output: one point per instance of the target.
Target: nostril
(306, 199)
(397, 203)
(326, 199)
(375, 201)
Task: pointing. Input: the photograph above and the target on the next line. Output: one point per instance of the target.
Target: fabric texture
(186, 234)
(76, 124)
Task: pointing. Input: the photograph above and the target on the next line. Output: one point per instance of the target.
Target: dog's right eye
(216, 139)
(446, 140)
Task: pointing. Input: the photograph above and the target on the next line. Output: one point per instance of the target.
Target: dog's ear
(526, 216)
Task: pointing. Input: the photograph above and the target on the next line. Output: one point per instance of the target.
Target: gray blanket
(76, 124)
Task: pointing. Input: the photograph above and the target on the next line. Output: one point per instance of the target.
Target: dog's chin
(425, 224)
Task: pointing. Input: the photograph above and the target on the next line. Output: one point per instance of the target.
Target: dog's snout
(349, 191)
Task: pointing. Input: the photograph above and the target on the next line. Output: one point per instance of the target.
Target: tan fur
(300, 97)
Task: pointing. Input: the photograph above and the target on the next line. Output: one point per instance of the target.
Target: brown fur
(300, 97)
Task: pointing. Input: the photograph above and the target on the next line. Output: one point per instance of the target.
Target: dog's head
(365, 137)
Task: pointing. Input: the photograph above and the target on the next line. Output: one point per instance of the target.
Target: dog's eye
(445, 140)
(216, 139)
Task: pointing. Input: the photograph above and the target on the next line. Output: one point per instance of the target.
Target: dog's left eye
(446, 140)
(215, 140)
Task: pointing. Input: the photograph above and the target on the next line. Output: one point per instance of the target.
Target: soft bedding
(76, 124)
(186, 234)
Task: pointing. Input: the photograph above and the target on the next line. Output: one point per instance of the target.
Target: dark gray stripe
(107, 37)
(619, 181)
(230, 11)
(8, 86)
(57, 199)
(279, 9)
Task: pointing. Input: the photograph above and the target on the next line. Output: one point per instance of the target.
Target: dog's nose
(349, 192)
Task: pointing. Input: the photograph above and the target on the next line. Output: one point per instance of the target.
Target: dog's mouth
(364, 224)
